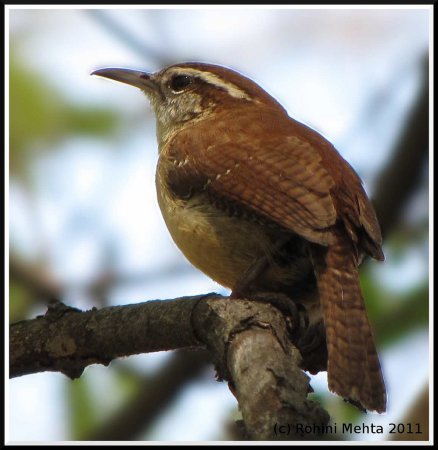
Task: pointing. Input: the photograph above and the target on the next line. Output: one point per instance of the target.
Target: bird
(265, 205)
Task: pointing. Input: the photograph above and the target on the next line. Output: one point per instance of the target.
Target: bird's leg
(242, 287)
(249, 276)
(284, 303)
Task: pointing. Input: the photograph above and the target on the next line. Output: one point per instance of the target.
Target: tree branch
(399, 179)
(67, 340)
(252, 341)
(247, 340)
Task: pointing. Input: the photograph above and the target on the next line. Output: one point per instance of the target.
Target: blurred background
(84, 225)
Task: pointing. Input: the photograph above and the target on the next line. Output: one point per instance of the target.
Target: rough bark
(248, 342)
(67, 340)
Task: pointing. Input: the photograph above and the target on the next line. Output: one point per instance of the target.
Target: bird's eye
(179, 82)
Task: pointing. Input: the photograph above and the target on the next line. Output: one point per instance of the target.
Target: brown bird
(263, 204)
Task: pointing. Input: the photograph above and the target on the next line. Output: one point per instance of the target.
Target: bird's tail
(353, 365)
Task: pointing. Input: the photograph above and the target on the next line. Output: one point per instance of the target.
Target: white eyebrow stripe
(211, 78)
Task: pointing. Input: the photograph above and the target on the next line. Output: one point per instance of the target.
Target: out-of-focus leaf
(90, 409)
(91, 121)
(128, 381)
(394, 314)
(411, 313)
(83, 409)
(40, 117)
(20, 300)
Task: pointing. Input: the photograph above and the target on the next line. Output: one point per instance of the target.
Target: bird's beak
(141, 80)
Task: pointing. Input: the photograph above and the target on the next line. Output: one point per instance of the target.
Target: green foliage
(40, 116)
(410, 313)
(89, 409)
(84, 413)
(395, 314)
(20, 300)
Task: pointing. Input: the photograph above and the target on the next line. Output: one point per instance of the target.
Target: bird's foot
(295, 313)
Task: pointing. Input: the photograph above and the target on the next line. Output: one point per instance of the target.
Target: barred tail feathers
(353, 365)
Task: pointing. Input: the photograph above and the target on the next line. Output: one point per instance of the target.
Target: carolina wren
(262, 203)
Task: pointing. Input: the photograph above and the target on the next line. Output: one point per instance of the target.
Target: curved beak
(141, 80)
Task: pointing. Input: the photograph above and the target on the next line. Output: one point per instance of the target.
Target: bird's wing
(265, 167)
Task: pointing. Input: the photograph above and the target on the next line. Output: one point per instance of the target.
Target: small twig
(123, 35)
(400, 178)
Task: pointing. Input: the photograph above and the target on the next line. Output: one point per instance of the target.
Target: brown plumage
(298, 181)
(236, 176)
